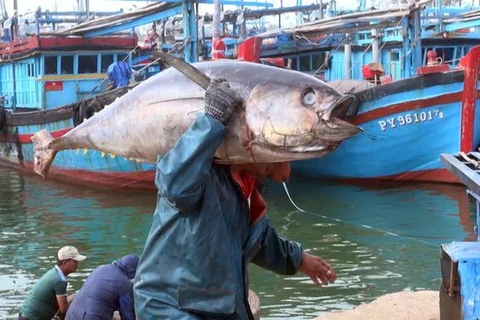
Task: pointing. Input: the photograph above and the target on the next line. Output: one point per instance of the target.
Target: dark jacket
(107, 288)
(194, 263)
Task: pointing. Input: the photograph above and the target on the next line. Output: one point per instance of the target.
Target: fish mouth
(340, 108)
(335, 130)
(331, 129)
(328, 136)
(324, 137)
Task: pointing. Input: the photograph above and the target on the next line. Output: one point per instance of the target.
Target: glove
(220, 100)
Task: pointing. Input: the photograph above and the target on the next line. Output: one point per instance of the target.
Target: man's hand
(317, 269)
(220, 100)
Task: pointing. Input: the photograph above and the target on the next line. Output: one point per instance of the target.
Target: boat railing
(458, 259)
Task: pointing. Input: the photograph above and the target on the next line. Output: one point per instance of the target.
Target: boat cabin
(46, 71)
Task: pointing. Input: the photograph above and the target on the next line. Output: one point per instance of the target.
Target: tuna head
(301, 118)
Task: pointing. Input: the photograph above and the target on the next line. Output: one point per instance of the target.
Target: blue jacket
(194, 263)
(119, 74)
(107, 288)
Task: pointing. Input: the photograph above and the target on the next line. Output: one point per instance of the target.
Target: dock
(404, 305)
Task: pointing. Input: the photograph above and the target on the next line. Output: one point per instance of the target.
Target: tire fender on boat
(86, 111)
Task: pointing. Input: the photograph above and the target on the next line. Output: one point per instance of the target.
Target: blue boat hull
(407, 125)
(84, 167)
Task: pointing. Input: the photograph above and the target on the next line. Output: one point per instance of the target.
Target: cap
(69, 252)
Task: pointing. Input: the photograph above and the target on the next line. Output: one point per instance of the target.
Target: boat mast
(375, 46)
(218, 47)
(216, 20)
(348, 57)
(87, 9)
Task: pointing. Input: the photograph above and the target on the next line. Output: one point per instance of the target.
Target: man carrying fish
(209, 223)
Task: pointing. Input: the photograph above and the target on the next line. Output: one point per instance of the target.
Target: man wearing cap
(49, 295)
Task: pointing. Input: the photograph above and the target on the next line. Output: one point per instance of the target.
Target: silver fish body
(285, 115)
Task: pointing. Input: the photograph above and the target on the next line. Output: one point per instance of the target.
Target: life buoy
(3, 117)
(86, 111)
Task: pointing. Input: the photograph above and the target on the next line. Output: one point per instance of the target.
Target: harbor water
(379, 239)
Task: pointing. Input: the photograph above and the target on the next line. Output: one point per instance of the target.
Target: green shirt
(41, 303)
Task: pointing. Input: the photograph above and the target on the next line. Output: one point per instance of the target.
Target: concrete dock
(405, 305)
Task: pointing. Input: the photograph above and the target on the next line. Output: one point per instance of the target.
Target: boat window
(446, 54)
(466, 49)
(67, 64)
(305, 63)
(424, 54)
(30, 70)
(87, 64)
(318, 62)
(50, 65)
(122, 57)
(394, 56)
(459, 52)
(107, 59)
(294, 63)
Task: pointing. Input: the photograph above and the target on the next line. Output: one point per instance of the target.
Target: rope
(354, 224)
(469, 160)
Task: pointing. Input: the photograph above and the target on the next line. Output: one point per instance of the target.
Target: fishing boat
(407, 125)
(402, 64)
(400, 61)
(56, 80)
(47, 86)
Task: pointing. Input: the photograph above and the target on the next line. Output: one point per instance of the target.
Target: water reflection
(368, 259)
(37, 217)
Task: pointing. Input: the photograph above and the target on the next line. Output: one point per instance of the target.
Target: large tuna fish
(285, 115)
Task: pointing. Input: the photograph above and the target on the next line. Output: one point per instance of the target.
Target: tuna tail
(43, 154)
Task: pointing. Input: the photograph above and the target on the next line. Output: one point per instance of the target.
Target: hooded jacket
(107, 288)
(202, 237)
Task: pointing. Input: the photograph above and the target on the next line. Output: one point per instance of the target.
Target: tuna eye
(309, 97)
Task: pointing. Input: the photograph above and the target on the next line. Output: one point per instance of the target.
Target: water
(37, 217)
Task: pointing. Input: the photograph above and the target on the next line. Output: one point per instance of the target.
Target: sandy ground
(405, 305)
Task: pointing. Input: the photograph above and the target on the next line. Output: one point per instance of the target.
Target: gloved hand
(220, 100)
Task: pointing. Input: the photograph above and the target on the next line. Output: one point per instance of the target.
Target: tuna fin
(103, 154)
(43, 154)
(112, 155)
(85, 150)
